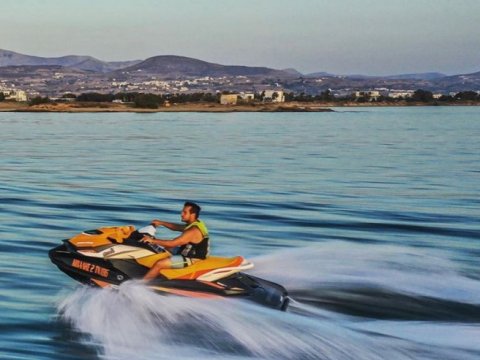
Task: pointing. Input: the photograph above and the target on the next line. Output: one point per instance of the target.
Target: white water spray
(134, 322)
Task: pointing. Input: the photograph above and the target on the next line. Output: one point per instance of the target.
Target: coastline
(187, 107)
(7, 106)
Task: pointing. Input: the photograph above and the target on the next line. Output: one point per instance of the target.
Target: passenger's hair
(194, 208)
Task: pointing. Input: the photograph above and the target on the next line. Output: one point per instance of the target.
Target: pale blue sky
(343, 37)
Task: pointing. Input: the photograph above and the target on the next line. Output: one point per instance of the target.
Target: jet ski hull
(97, 271)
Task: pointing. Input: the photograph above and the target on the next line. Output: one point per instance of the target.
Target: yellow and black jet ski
(108, 256)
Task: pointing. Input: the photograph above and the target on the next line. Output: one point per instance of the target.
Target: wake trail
(325, 281)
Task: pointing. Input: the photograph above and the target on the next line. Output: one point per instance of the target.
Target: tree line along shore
(211, 102)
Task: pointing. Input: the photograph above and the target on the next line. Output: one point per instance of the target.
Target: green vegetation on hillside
(38, 100)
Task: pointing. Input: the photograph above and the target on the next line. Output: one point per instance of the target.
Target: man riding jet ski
(109, 256)
(193, 244)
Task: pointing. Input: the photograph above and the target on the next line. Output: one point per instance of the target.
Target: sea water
(368, 216)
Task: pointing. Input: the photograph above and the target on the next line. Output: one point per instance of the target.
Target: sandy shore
(75, 107)
(194, 107)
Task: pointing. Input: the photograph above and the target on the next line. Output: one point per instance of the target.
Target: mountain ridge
(74, 73)
(82, 62)
(182, 65)
(178, 66)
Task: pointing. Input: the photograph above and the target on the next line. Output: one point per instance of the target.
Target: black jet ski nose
(271, 297)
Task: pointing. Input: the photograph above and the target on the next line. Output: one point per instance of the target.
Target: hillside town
(230, 90)
(166, 76)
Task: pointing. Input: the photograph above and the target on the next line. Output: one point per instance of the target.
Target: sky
(370, 37)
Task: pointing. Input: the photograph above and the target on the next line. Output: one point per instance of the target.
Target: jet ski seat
(210, 269)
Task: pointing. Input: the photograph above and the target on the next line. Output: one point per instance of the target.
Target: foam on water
(399, 269)
(133, 322)
(137, 321)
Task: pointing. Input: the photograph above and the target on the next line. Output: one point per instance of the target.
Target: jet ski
(108, 256)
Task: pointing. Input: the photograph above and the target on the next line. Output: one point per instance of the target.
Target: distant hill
(319, 74)
(293, 72)
(92, 64)
(459, 82)
(171, 66)
(420, 76)
(73, 73)
(47, 71)
(11, 58)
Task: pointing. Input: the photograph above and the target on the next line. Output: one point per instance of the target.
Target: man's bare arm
(168, 225)
(192, 235)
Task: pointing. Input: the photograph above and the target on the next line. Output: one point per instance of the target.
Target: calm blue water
(369, 217)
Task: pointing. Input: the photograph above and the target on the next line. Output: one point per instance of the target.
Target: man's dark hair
(194, 208)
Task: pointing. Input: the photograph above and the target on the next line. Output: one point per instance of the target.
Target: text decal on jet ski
(91, 268)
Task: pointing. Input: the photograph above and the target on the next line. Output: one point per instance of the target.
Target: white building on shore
(276, 96)
(372, 95)
(15, 95)
(229, 99)
(398, 94)
(247, 96)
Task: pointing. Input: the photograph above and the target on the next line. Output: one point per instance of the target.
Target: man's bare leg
(159, 265)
